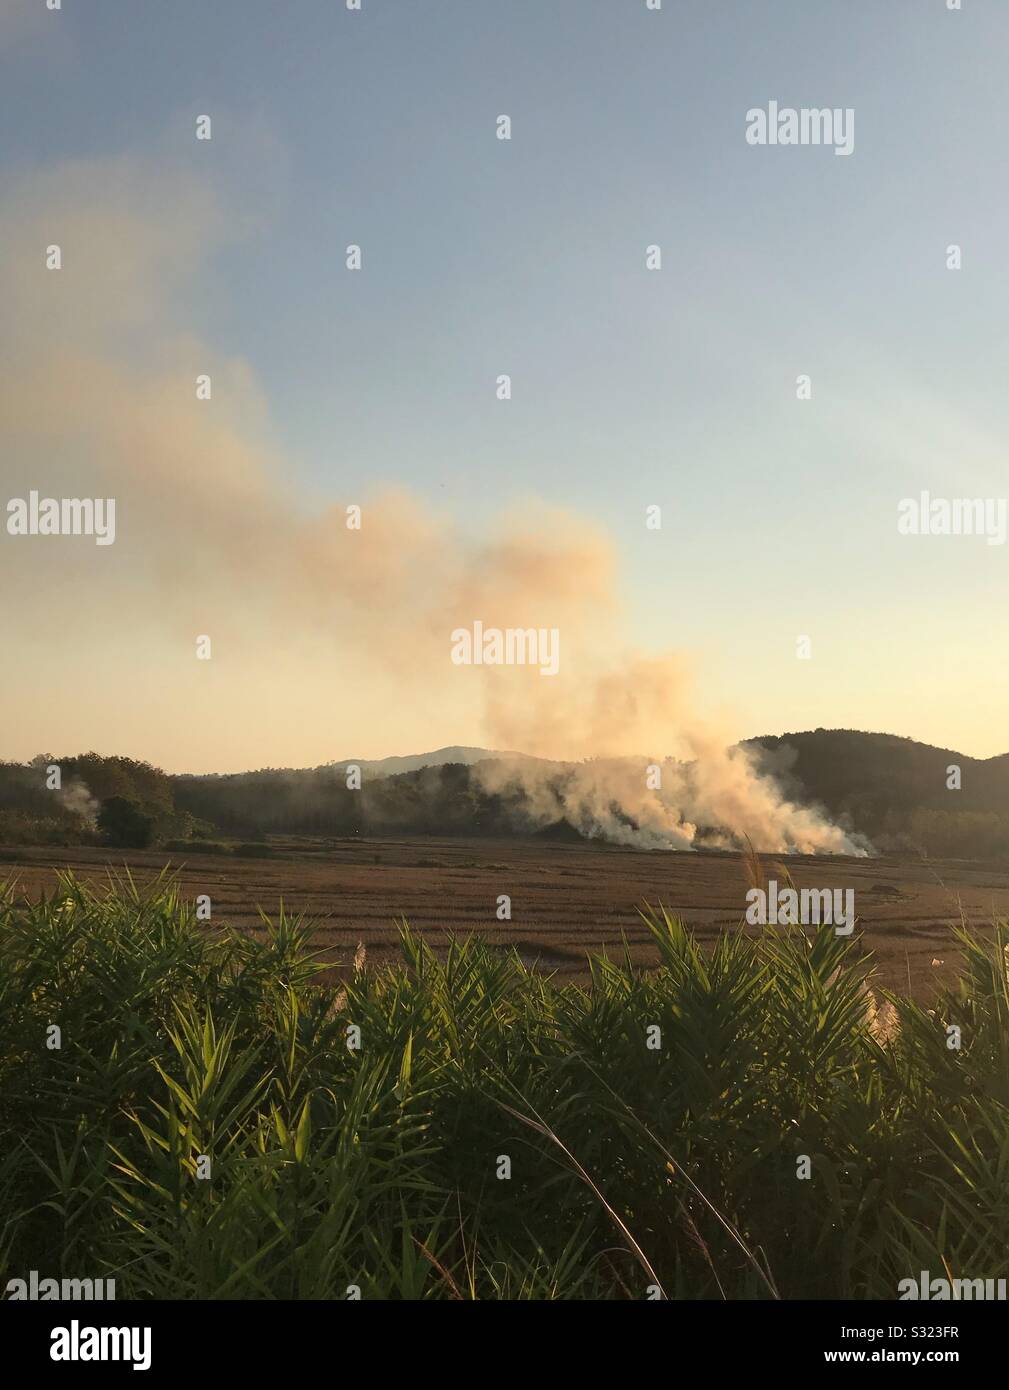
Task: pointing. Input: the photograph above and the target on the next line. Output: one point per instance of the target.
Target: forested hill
(890, 789)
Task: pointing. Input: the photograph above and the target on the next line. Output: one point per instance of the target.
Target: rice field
(567, 900)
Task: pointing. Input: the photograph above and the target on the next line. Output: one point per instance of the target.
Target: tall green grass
(632, 1168)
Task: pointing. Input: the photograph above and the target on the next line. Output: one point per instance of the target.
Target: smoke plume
(321, 633)
(76, 797)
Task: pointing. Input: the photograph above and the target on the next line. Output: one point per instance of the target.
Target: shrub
(60, 828)
(125, 824)
(631, 1164)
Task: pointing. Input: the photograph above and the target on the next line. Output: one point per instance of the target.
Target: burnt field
(566, 899)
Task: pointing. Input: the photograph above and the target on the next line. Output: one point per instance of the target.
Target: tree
(124, 823)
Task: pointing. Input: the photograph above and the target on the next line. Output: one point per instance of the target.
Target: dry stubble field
(567, 899)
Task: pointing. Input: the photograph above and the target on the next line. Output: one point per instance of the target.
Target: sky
(631, 387)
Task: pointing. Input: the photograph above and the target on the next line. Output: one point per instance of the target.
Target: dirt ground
(567, 899)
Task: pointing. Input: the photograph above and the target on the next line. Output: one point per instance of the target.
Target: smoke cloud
(321, 633)
(76, 797)
(708, 793)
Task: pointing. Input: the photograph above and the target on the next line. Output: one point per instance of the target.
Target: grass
(642, 1162)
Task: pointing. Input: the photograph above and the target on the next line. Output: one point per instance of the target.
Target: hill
(892, 790)
(413, 762)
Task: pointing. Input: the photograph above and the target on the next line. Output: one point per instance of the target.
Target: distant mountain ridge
(390, 767)
(896, 791)
(836, 767)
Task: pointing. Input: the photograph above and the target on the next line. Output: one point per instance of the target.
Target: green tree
(124, 823)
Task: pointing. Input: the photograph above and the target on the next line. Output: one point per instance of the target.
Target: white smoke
(76, 797)
(695, 788)
(716, 802)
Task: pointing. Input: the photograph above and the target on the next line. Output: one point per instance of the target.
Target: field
(566, 899)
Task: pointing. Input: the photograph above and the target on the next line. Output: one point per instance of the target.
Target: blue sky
(527, 257)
